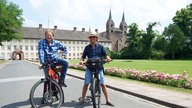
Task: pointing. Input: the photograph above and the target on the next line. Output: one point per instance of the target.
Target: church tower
(123, 25)
(110, 25)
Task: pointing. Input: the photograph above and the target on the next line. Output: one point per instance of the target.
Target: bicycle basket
(93, 64)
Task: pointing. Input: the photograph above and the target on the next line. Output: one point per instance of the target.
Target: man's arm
(41, 52)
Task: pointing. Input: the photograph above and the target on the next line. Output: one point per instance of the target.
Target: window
(73, 48)
(21, 47)
(2, 55)
(26, 41)
(77, 48)
(9, 47)
(15, 47)
(26, 47)
(69, 48)
(31, 47)
(31, 41)
(26, 55)
(36, 47)
(69, 54)
(37, 55)
(73, 42)
(2, 48)
(9, 55)
(74, 54)
(32, 55)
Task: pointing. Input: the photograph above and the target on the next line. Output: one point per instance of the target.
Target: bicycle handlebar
(44, 65)
(104, 61)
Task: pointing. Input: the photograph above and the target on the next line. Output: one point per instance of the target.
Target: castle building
(27, 48)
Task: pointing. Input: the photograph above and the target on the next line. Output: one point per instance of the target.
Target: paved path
(168, 98)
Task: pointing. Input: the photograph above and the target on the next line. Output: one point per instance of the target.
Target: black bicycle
(47, 92)
(94, 64)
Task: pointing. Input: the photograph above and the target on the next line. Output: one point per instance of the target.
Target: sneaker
(62, 83)
(43, 101)
(109, 103)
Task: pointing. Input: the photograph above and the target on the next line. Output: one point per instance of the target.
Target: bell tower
(110, 25)
(123, 25)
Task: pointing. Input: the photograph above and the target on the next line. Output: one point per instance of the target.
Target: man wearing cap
(94, 52)
(48, 49)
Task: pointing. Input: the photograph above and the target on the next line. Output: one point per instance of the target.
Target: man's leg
(104, 88)
(84, 92)
(87, 81)
(65, 65)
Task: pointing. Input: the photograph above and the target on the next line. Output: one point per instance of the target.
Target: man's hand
(40, 66)
(108, 59)
(81, 62)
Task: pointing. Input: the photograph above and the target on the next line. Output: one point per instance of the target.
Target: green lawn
(166, 66)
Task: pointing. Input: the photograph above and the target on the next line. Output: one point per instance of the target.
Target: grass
(165, 66)
(3, 61)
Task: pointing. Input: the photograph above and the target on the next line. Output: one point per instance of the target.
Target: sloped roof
(37, 33)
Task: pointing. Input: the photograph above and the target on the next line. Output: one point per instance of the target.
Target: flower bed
(175, 80)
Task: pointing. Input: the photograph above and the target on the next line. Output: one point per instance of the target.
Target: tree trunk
(173, 55)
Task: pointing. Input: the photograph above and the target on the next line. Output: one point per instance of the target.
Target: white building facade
(27, 48)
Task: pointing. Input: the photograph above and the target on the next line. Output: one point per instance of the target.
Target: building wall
(29, 47)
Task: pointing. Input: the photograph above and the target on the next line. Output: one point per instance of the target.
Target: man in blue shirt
(48, 49)
(94, 52)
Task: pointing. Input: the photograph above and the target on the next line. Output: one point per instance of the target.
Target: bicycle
(94, 64)
(47, 91)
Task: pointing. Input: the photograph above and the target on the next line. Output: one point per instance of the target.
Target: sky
(93, 14)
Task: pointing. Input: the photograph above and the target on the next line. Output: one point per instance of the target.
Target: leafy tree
(176, 39)
(183, 19)
(10, 21)
(133, 49)
(147, 39)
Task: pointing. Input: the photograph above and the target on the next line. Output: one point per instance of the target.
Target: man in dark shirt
(94, 52)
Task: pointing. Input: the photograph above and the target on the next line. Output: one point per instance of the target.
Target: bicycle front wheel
(96, 93)
(46, 93)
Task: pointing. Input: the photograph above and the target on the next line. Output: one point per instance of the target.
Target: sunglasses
(92, 37)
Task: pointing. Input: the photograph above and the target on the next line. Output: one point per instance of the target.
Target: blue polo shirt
(94, 52)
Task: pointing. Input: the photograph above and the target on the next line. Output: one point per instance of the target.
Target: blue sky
(93, 14)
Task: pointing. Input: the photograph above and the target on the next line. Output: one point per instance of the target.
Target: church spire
(110, 17)
(123, 18)
(123, 24)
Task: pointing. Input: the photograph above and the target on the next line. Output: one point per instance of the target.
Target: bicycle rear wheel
(46, 93)
(96, 93)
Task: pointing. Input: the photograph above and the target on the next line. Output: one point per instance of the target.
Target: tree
(183, 19)
(133, 49)
(147, 39)
(10, 21)
(176, 39)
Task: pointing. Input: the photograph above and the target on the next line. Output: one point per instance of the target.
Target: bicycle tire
(96, 93)
(38, 96)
